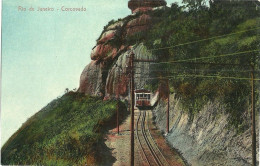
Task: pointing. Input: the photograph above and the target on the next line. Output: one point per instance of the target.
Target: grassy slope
(69, 130)
(178, 26)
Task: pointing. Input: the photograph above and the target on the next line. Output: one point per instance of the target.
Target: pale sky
(45, 52)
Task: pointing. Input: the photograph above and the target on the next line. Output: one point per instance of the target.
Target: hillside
(224, 47)
(223, 62)
(207, 53)
(68, 131)
(203, 57)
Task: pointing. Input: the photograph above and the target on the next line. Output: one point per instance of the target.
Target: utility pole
(168, 107)
(132, 107)
(253, 116)
(117, 115)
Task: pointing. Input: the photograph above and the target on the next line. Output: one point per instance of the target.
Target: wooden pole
(253, 117)
(168, 108)
(117, 115)
(132, 108)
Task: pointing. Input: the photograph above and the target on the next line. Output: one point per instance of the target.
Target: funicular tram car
(142, 98)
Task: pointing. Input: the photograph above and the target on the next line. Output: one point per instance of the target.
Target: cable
(210, 63)
(201, 76)
(217, 56)
(215, 37)
(207, 70)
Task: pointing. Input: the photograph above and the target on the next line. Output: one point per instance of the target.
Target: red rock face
(123, 85)
(102, 51)
(139, 24)
(109, 35)
(99, 77)
(105, 51)
(90, 79)
(117, 85)
(142, 9)
(145, 4)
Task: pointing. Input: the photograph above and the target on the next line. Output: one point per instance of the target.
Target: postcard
(130, 82)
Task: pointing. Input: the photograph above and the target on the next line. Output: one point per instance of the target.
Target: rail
(151, 153)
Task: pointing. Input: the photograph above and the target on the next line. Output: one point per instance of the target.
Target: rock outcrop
(145, 5)
(107, 74)
(91, 79)
(206, 139)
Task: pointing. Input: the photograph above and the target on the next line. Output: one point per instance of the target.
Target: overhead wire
(196, 41)
(208, 57)
(203, 76)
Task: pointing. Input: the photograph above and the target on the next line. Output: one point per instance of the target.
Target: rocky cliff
(206, 139)
(107, 74)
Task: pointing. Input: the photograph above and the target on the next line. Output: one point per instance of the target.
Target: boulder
(91, 79)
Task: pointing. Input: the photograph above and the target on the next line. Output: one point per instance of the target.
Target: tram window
(141, 95)
(149, 96)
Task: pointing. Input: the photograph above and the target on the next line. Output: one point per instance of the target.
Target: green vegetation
(197, 84)
(68, 131)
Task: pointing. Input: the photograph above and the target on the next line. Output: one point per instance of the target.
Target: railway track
(148, 149)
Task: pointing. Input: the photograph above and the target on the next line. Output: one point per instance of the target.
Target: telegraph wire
(201, 76)
(198, 76)
(208, 57)
(196, 41)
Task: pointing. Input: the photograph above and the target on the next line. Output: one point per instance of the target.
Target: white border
(1, 75)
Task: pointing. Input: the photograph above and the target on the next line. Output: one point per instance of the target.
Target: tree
(194, 4)
(66, 90)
